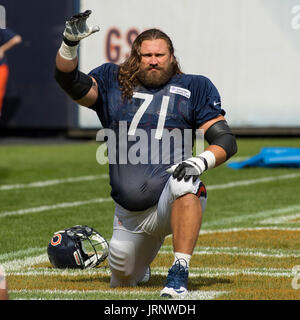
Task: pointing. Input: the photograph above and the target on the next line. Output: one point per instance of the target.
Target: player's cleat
(146, 277)
(176, 284)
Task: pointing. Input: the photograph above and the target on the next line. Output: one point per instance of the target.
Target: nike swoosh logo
(216, 103)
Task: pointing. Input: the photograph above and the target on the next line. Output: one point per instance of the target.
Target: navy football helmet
(79, 247)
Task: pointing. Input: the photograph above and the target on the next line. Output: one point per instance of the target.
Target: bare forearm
(65, 65)
(219, 153)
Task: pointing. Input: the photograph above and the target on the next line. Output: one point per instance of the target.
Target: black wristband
(69, 42)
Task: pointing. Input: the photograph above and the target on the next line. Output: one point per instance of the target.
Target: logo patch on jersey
(183, 92)
(216, 103)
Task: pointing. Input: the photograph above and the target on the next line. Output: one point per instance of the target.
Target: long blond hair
(129, 69)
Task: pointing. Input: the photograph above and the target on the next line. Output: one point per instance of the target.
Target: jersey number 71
(141, 110)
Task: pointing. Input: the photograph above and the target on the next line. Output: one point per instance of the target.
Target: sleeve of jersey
(105, 75)
(7, 34)
(208, 102)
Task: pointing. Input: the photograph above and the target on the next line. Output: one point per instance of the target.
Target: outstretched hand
(77, 28)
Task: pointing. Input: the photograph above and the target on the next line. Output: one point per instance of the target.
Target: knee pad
(121, 258)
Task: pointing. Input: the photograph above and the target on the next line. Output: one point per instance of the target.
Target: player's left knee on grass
(121, 261)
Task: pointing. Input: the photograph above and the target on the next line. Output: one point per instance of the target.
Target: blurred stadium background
(249, 49)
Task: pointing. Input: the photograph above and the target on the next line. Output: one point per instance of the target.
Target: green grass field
(247, 247)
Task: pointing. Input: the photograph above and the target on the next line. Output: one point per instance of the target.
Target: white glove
(193, 167)
(77, 29)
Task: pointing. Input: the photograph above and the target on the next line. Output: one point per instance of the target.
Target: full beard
(157, 78)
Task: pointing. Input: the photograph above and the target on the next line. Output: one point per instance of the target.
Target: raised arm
(80, 87)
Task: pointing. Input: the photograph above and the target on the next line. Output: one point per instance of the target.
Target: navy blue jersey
(5, 36)
(152, 130)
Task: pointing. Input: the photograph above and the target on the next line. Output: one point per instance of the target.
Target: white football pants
(138, 235)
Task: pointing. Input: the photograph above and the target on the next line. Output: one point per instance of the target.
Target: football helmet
(78, 247)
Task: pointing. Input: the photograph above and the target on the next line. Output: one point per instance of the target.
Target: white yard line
(249, 229)
(75, 294)
(163, 271)
(281, 219)
(22, 264)
(79, 203)
(59, 272)
(256, 216)
(235, 251)
(214, 272)
(53, 207)
(253, 181)
(9, 256)
(46, 183)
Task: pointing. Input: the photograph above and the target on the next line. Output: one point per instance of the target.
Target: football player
(8, 39)
(153, 199)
